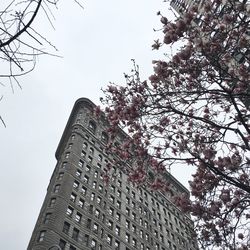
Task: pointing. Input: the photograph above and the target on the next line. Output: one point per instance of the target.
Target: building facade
(81, 212)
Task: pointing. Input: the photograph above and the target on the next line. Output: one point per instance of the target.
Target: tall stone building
(81, 212)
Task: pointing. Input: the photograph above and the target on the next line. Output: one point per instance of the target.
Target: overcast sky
(97, 45)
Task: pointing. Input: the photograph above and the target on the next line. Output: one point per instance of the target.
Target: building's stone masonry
(149, 218)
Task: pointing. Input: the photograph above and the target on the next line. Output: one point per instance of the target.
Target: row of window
(112, 199)
(118, 203)
(92, 128)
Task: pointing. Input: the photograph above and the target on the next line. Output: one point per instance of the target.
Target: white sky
(97, 44)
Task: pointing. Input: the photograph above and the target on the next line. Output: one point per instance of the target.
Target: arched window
(104, 138)
(92, 126)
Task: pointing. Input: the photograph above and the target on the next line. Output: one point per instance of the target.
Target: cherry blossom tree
(194, 110)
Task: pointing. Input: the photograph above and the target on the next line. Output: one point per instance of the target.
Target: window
(69, 211)
(161, 238)
(127, 211)
(99, 165)
(41, 236)
(120, 174)
(141, 246)
(72, 247)
(62, 244)
(93, 244)
(90, 159)
(95, 174)
(88, 224)
(87, 168)
(72, 137)
(92, 126)
(133, 194)
(66, 227)
(94, 185)
(118, 217)
(60, 176)
(119, 183)
(95, 228)
(110, 224)
(133, 216)
(46, 218)
(73, 197)
(83, 155)
(159, 216)
(117, 245)
(100, 188)
(154, 222)
(109, 240)
(104, 204)
(172, 235)
(164, 210)
(78, 217)
(75, 234)
(92, 196)
(127, 224)
(80, 163)
(67, 155)
(111, 211)
(102, 232)
(140, 221)
(119, 193)
(118, 204)
(153, 211)
(117, 230)
(146, 237)
(98, 200)
(84, 145)
(127, 237)
(152, 201)
(169, 244)
(91, 151)
(91, 209)
(64, 164)
(86, 179)
(83, 190)
(52, 202)
(112, 188)
(134, 229)
(104, 138)
(133, 204)
(97, 213)
(156, 234)
(157, 204)
(81, 203)
(78, 173)
(127, 200)
(75, 184)
(127, 190)
(112, 199)
(56, 188)
(134, 242)
(86, 240)
(141, 233)
(99, 158)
